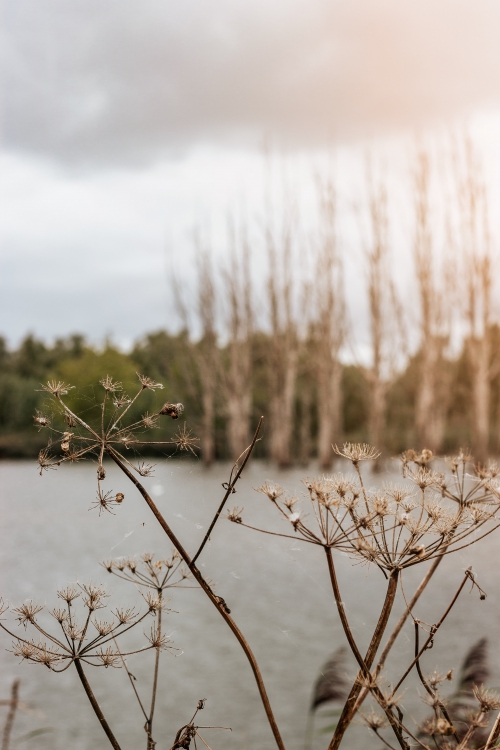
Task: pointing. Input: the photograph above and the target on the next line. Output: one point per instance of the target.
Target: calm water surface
(278, 591)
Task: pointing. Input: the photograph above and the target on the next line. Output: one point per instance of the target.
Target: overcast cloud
(129, 81)
(124, 123)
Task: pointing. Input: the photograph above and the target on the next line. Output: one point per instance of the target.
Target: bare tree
(207, 353)
(284, 341)
(431, 399)
(329, 327)
(240, 324)
(384, 311)
(478, 276)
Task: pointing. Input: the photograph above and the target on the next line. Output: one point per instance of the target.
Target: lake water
(278, 591)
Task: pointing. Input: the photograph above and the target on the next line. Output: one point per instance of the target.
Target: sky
(124, 125)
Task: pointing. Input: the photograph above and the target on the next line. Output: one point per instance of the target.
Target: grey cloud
(94, 82)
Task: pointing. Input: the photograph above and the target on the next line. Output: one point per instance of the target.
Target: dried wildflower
(234, 515)
(356, 452)
(125, 616)
(60, 615)
(290, 501)
(40, 420)
(374, 720)
(158, 639)
(436, 678)
(131, 564)
(398, 492)
(272, 491)
(148, 383)
(27, 612)
(45, 460)
(106, 500)
(171, 410)
(489, 700)
(37, 652)
(102, 626)
(294, 519)
(69, 594)
(93, 596)
(424, 477)
(108, 657)
(57, 388)
(149, 420)
(184, 442)
(121, 400)
(145, 470)
(154, 602)
(380, 505)
(109, 385)
(74, 631)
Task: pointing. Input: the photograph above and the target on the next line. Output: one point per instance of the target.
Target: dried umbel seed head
(40, 420)
(272, 491)
(119, 497)
(374, 720)
(234, 515)
(356, 452)
(57, 388)
(148, 383)
(149, 420)
(172, 410)
(489, 700)
(109, 385)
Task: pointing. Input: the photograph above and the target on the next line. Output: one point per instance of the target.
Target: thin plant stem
(494, 734)
(433, 632)
(365, 664)
(131, 678)
(430, 691)
(399, 626)
(149, 722)
(11, 715)
(230, 488)
(90, 695)
(217, 601)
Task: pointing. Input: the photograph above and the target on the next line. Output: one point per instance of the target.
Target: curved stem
(90, 695)
(365, 664)
(9, 721)
(230, 489)
(217, 601)
(149, 722)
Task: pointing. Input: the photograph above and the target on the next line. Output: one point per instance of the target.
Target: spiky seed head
(356, 452)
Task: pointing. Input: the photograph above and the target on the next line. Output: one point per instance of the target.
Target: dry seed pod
(65, 446)
(101, 474)
(119, 497)
(172, 410)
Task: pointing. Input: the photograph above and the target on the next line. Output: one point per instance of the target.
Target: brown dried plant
(429, 515)
(85, 638)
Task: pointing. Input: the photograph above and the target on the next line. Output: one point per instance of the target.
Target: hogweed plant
(430, 514)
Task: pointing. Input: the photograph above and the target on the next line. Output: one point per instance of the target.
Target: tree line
(282, 342)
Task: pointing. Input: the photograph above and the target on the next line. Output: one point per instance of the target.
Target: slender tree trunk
(430, 408)
(481, 387)
(329, 410)
(282, 407)
(305, 425)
